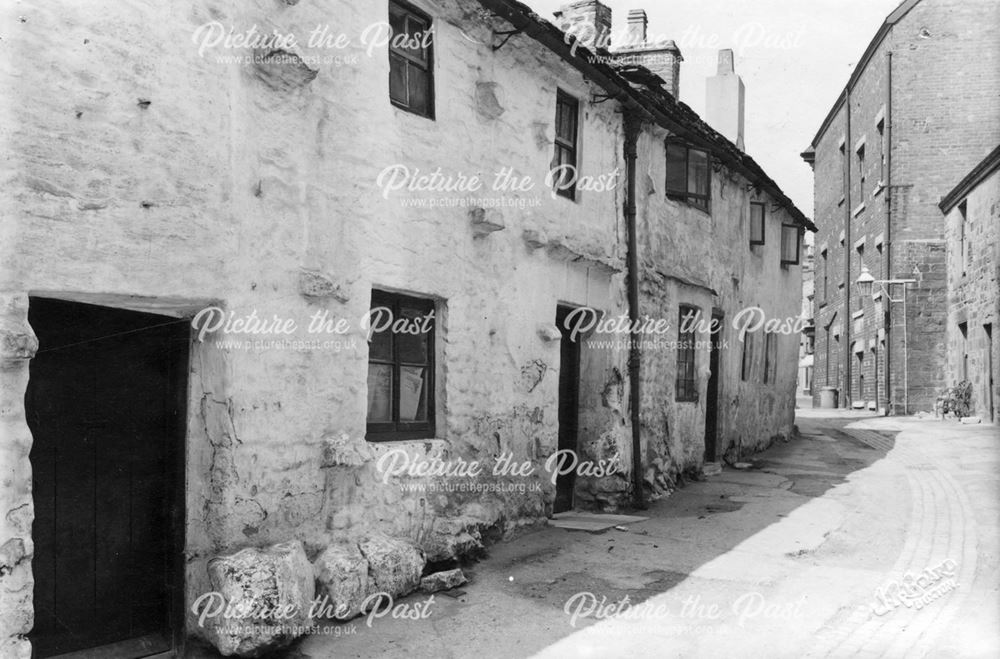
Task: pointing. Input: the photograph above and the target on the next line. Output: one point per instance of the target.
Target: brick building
(972, 239)
(259, 185)
(919, 111)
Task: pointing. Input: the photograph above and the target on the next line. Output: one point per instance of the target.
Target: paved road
(803, 555)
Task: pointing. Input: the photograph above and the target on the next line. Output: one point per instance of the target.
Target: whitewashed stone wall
(147, 175)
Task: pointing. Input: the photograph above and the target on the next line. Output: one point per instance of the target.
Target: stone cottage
(972, 237)
(299, 297)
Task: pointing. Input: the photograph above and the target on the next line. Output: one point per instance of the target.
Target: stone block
(446, 580)
(534, 239)
(272, 590)
(315, 284)
(486, 221)
(394, 565)
(341, 572)
(17, 343)
(343, 450)
(281, 70)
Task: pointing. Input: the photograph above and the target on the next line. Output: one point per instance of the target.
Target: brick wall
(942, 119)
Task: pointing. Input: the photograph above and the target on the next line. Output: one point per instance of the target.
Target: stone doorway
(105, 403)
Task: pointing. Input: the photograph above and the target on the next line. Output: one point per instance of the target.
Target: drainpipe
(632, 124)
(848, 247)
(887, 274)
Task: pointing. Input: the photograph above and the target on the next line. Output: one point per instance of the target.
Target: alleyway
(790, 552)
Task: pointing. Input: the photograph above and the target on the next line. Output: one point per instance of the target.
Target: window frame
(785, 262)
(693, 199)
(686, 376)
(763, 222)
(411, 12)
(560, 144)
(396, 430)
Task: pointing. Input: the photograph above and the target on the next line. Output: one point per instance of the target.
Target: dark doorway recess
(712, 397)
(106, 407)
(569, 406)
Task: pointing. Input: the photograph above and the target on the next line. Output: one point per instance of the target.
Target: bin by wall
(828, 397)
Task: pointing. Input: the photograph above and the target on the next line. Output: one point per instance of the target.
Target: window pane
(379, 393)
(566, 110)
(789, 244)
(676, 169)
(397, 23)
(417, 37)
(419, 89)
(397, 79)
(380, 346)
(698, 172)
(413, 347)
(756, 223)
(412, 393)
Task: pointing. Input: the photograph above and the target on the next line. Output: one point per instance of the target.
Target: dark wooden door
(712, 396)
(105, 404)
(569, 406)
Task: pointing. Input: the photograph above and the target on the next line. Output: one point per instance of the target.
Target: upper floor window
(790, 240)
(756, 223)
(689, 175)
(861, 169)
(686, 388)
(826, 264)
(564, 159)
(963, 238)
(746, 363)
(411, 72)
(770, 357)
(880, 127)
(400, 367)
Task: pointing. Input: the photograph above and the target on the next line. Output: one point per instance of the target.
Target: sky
(794, 56)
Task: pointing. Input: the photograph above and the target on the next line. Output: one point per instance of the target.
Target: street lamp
(865, 283)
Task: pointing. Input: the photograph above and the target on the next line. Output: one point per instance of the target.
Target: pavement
(865, 537)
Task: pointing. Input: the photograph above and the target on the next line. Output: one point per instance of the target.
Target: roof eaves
(978, 174)
(658, 106)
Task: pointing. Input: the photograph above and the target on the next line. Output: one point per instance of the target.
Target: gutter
(890, 394)
(632, 128)
(848, 248)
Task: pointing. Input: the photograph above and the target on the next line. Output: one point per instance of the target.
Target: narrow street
(783, 560)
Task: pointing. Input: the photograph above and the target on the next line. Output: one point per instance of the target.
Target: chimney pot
(725, 100)
(637, 22)
(726, 62)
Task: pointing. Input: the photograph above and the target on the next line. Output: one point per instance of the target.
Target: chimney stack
(588, 21)
(662, 58)
(725, 97)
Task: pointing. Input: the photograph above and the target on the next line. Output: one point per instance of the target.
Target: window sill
(841, 202)
(412, 113)
(879, 187)
(683, 200)
(429, 447)
(858, 209)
